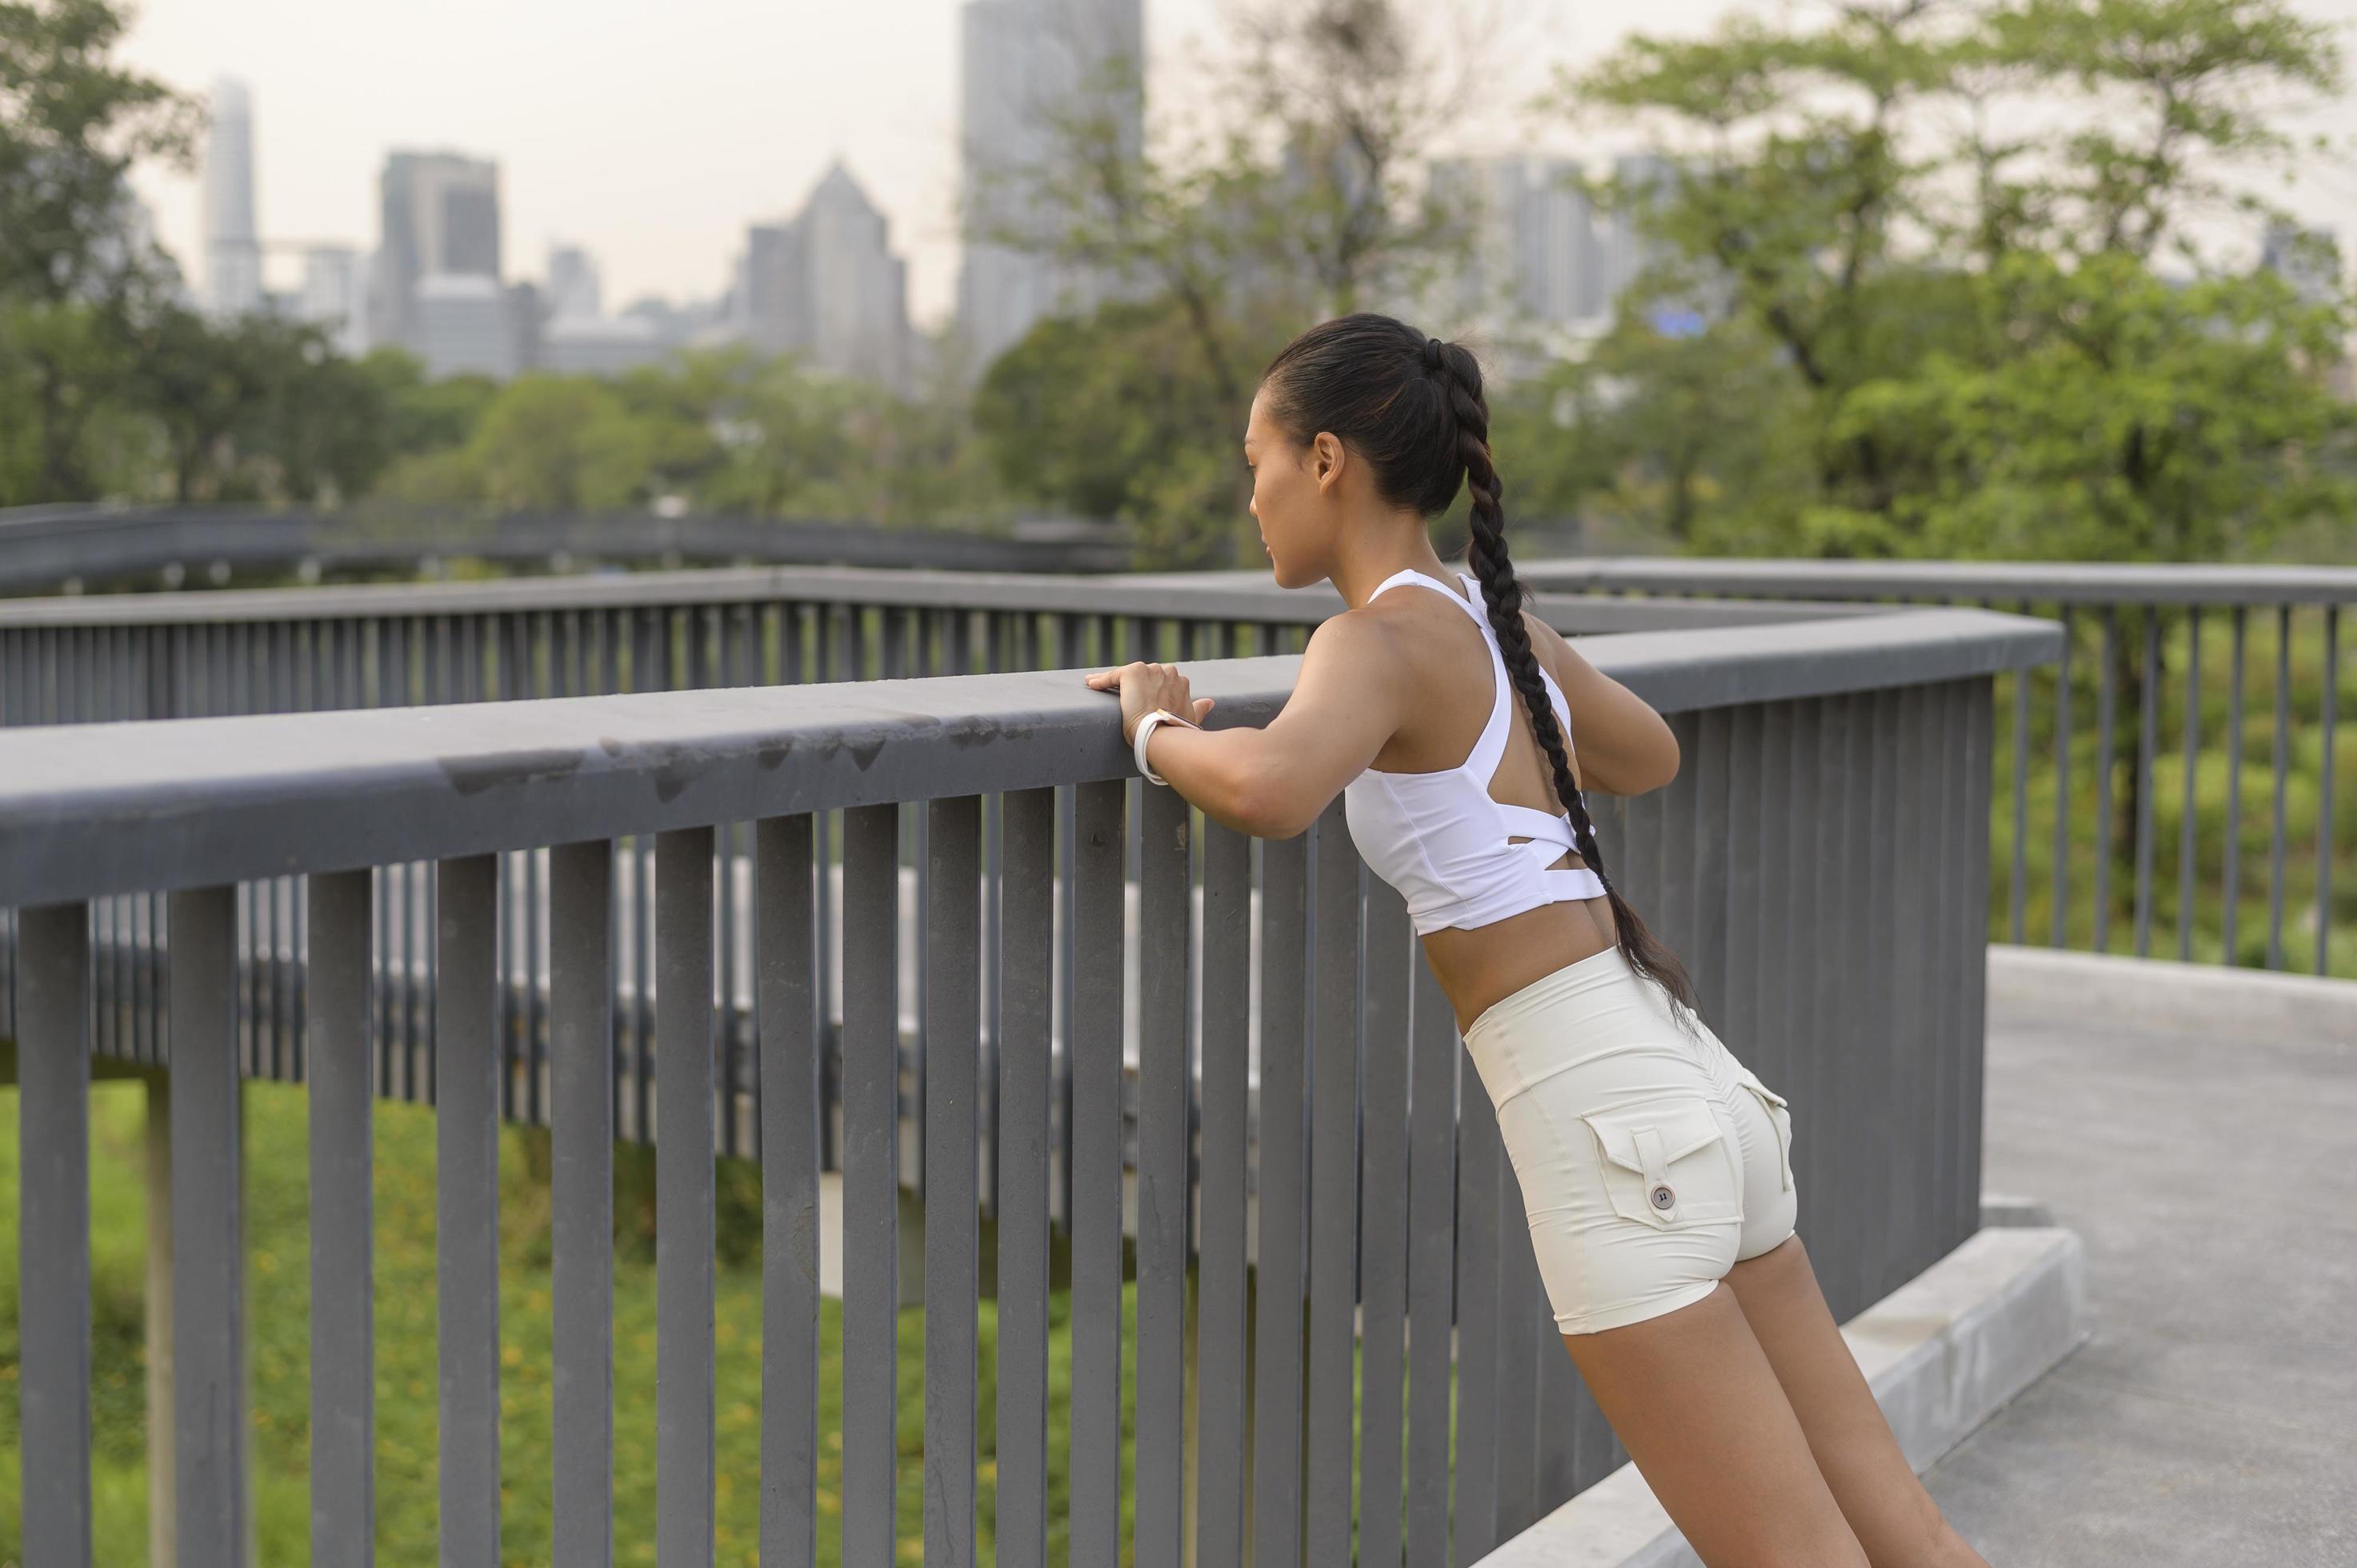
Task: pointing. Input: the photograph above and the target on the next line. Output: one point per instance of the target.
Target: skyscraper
(1027, 65)
(439, 214)
(825, 284)
(573, 288)
(333, 296)
(462, 324)
(1623, 251)
(233, 244)
(1535, 260)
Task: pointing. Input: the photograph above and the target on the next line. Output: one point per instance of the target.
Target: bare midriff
(1480, 967)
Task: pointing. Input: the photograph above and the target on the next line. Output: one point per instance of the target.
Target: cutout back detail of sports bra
(1440, 839)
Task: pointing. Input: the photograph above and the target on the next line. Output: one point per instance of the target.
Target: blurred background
(2055, 279)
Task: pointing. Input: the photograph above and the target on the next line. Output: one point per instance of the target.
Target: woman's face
(1291, 484)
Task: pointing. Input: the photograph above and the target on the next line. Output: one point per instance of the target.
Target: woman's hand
(1145, 687)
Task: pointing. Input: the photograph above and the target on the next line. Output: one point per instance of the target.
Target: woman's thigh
(1692, 1396)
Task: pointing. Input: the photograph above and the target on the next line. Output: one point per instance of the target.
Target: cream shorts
(1650, 1159)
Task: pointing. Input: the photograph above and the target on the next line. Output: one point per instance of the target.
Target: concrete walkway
(2211, 1417)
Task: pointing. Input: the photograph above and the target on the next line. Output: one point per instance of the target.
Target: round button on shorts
(1650, 1159)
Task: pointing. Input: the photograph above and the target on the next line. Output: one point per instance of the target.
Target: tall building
(824, 284)
(439, 215)
(1622, 253)
(232, 244)
(2306, 258)
(573, 288)
(1025, 66)
(334, 295)
(1535, 258)
(463, 326)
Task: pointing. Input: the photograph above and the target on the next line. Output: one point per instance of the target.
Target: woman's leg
(1692, 1396)
(1888, 1509)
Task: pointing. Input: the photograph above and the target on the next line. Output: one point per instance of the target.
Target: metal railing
(92, 659)
(2127, 821)
(1820, 862)
(51, 549)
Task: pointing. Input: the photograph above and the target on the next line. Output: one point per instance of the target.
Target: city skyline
(720, 159)
(694, 177)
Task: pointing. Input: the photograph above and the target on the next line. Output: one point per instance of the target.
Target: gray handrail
(90, 810)
(2078, 582)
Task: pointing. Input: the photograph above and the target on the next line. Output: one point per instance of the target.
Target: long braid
(1459, 376)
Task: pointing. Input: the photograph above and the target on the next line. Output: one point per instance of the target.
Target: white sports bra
(1441, 840)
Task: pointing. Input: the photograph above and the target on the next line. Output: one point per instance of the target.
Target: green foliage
(559, 444)
(1118, 416)
(72, 122)
(1300, 193)
(1947, 336)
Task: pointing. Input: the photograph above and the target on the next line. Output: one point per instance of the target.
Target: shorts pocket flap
(1667, 1131)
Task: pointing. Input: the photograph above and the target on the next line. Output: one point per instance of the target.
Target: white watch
(1145, 727)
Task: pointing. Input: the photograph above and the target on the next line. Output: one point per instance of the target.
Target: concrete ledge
(2047, 984)
(1942, 1353)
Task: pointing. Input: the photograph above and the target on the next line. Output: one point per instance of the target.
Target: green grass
(278, 1300)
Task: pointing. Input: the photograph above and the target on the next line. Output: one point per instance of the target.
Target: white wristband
(1145, 727)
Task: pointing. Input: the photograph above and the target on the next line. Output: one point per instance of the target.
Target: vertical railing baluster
(581, 1197)
(1026, 1005)
(1220, 1361)
(208, 1233)
(685, 1369)
(1383, 1213)
(335, 1049)
(2190, 812)
(2331, 702)
(2061, 871)
(2016, 890)
(467, 1203)
(1282, 1190)
(871, 1176)
(785, 857)
(1163, 1141)
(951, 1005)
(1093, 1039)
(2106, 703)
(53, 1233)
(2282, 768)
(1431, 1224)
(2230, 876)
(2148, 720)
(1333, 1181)
(1481, 1175)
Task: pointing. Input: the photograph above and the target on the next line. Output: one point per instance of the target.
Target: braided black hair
(1411, 407)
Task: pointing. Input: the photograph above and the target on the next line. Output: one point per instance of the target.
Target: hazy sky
(652, 133)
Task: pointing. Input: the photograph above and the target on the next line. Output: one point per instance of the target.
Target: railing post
(163, 1536)
(208, 1234)
(53, 1236)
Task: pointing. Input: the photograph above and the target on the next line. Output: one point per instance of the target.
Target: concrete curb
(2050, 984)
(1942, 1352)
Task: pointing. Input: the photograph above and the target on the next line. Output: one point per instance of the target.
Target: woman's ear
(1325, 460)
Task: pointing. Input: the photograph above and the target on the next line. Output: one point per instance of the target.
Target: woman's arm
(1273, 782)
(1623, 747)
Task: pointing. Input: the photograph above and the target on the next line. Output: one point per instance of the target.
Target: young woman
(1654, 1166)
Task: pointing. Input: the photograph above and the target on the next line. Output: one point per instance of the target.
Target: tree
(1118, 416)
(1300, 192)
(71, 274)
(562, 444)
(1978, 352)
